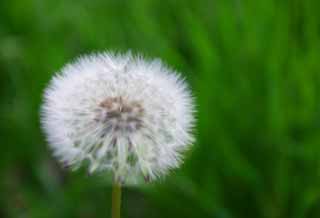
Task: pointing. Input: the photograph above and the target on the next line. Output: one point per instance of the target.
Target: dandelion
(119, 113)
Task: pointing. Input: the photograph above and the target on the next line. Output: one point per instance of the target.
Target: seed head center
(118, 114)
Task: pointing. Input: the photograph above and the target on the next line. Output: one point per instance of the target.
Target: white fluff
(121, 113)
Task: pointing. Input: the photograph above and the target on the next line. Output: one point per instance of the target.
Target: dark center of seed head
(120, 115)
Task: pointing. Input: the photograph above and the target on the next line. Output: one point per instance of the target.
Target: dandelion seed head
(119, 113)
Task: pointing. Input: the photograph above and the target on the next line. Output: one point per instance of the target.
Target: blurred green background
(254, 67)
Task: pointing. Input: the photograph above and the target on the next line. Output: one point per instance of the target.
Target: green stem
(116, 200)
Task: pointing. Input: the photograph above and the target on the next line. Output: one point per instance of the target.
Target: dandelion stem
(116, 199)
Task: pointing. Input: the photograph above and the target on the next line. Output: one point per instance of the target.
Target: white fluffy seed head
(118, 113)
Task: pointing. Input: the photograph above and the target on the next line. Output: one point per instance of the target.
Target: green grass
(254, 67)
